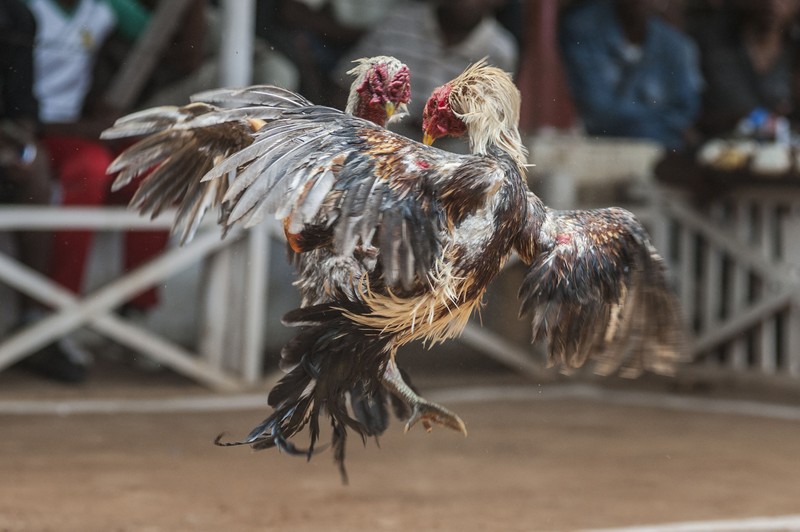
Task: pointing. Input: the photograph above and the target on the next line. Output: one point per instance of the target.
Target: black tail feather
(330, 356)
(372, 410)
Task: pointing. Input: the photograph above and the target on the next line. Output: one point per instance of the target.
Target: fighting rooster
(379, 93)
(424, 231)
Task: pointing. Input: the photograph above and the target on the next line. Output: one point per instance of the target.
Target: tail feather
(330, 356)
(371, 409)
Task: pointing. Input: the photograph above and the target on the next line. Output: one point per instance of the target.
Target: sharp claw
(430, 414)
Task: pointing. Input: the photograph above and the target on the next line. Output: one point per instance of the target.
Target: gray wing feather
(260, 95)
(265, 150)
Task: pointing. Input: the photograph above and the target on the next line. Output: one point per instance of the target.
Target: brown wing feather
(264, 152)
(596, 288)
(181, 146)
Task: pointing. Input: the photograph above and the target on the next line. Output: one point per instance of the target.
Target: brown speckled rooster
(420, 234)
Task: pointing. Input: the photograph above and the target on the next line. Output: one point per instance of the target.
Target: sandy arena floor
(543, 460)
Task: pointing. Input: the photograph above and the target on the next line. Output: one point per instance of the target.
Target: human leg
(80, 167)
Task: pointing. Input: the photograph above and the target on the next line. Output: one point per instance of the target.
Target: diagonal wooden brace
(94, 311)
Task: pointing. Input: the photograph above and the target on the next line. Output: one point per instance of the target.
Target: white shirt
(64, 54)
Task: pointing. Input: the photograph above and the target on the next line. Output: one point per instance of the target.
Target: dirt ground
(560, 464)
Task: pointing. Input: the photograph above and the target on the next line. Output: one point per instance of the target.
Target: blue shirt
(650, 91)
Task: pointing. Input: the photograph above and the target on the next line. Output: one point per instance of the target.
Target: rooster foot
(422, 410)
(430, 414)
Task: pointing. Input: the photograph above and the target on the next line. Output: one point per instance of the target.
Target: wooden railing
(230, 335)
(736, 265)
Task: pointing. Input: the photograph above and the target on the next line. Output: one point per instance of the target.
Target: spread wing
(332, 178)
(183, 143)
(596, 288)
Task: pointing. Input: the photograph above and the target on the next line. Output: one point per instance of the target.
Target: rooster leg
(421, 409)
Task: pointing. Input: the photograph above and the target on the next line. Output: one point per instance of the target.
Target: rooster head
(381, 89)
(482, 102)
(439, 119)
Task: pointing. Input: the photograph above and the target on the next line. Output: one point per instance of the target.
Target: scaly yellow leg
(421, 409)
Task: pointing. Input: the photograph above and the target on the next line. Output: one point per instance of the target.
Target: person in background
(24, 172)
(193, 62)
(630, 73)
(749, 55)
(70, 34)
(314, 35)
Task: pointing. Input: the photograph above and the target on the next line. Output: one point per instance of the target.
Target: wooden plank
(214, 308)
(791, 254)
(711, 289)
(255, 316)
(31, 337)
(733, 327)
(235, 308)
(766, 340)
(71, 316)
(236, 43)
(740, 280)
(167, 353)
(775, 273)
(688, 283)
(17, 218)
(793, 340)
(504, 352)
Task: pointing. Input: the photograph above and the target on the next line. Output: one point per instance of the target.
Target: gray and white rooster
(419, 232)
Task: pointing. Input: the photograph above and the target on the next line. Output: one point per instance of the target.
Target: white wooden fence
(229, 348)
(736, 263)
(233, 299)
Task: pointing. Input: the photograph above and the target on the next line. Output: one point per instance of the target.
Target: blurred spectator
(546, 101)
(315, 35)
(749, 53)
(24, 174)
(185, 52)
(24, 171)
(511, 15)
(69, 36)
(631, 74)
(193, 62)
(437, 40)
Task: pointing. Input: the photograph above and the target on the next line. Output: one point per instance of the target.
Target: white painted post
(791, 254)
(255, 304)
(740, 281)
(236, 46)
(766, 337)
(710, 287)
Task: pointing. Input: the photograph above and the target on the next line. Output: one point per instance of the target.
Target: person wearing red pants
(80, 165)
(69, 34)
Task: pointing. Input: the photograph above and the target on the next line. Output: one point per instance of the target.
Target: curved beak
(427, 139)
(390, 108)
